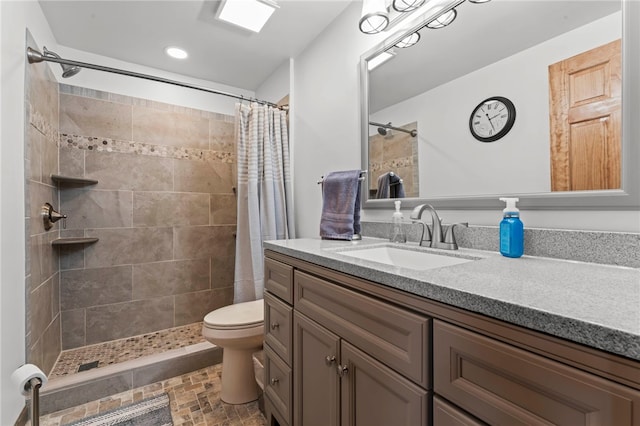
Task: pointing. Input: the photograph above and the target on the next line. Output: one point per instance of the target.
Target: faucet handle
(449, 236)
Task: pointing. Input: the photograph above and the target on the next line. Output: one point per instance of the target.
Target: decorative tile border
(129, 147)
(609, 248)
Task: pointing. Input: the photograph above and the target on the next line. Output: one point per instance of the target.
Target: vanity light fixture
(375, 16)
(383, 57)
(409, 40)
(442, 20)
(248, 14)
(176, 52)
(407, 5)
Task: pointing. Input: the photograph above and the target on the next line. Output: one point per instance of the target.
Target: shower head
(67, 70)
(382, 131)
(34, 57)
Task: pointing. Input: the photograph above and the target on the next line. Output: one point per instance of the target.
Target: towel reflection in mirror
(390, 185)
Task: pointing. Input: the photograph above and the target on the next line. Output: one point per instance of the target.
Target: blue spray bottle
(511, 230)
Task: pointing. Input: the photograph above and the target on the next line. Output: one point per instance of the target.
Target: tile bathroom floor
(194, 398)
(121, 350)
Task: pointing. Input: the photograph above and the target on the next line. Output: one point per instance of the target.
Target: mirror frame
(626, 198)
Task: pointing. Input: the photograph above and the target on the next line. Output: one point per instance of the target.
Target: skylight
(248, 14)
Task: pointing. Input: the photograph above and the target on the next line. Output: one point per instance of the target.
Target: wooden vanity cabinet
(366, 354)
(278, 317)
(337, 383)
(505, 385)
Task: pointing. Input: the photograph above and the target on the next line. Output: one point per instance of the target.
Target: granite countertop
(596, 305)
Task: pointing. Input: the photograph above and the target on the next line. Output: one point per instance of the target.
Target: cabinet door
(316, 351)
(374, 395)
(501, 384)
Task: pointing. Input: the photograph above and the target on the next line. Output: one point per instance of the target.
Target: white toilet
(239, 330)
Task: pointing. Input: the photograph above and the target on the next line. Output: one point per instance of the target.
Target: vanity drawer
(445, 414)
(278, 279)
(278, 328)
(277, 383)
(394, 336)
(502, 384)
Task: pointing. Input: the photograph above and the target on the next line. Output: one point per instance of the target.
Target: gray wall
(164, 211)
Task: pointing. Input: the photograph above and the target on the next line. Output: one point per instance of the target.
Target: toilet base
(238, 379)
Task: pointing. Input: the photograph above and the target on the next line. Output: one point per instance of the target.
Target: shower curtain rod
(34, 56)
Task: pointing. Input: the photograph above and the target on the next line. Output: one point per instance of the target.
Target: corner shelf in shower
(72, 180)
(73, 240)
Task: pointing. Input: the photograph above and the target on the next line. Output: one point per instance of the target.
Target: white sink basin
(404, 258)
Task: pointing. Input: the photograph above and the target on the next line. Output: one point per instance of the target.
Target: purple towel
(340, 205)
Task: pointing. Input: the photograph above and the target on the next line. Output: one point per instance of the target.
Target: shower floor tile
(194, 400)
(121, 350)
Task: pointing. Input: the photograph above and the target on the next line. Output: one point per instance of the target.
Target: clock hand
(490, 121)
(499, 112)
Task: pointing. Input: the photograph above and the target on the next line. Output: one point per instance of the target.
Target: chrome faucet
(434, 235)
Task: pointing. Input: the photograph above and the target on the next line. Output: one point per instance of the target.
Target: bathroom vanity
(350, 340)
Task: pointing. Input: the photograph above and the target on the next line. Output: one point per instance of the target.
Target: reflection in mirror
(393, 161)
(558, 62)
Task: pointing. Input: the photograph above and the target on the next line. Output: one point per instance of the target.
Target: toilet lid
(240, 315)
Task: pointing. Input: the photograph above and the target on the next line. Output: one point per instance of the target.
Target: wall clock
(492, 119)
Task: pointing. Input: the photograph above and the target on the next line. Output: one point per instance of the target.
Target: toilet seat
(236, 317)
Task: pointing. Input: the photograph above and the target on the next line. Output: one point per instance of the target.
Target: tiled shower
(164, 211)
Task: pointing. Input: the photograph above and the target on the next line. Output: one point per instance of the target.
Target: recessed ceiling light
(248, 14)
(176, 52)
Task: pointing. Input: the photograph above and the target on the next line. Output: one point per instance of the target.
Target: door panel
(374, 395)
(585, 120)
(316, 382)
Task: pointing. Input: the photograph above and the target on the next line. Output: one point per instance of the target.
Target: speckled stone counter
(596, 305)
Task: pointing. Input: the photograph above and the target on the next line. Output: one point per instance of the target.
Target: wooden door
(374, 395)
(316, 382)
(586, 119)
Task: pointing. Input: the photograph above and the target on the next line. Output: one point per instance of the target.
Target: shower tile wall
(41, 160)
(164, 210)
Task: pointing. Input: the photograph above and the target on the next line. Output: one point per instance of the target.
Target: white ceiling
(137, 31)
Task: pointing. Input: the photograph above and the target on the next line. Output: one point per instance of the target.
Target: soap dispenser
(397, 230)
(511, 230)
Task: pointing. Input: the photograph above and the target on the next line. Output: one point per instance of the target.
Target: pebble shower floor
(121, 350)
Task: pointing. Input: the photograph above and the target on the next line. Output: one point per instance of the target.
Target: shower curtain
(265, 208)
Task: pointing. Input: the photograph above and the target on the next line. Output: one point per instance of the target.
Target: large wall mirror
(522, 98)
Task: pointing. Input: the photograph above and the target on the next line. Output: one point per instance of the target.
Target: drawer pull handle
(275, 381)
(329, 360)
(343, 370)
(274, 325)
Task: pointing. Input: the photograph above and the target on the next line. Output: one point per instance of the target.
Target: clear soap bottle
(397, 229)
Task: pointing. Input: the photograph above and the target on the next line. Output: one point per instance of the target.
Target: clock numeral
(476, 122)
(503, 115)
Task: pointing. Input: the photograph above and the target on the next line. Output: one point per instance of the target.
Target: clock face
(492, 119)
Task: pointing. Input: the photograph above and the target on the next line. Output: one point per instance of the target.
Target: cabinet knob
(329, 360)
(275, 381)
(274, 325)
(343, 370)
